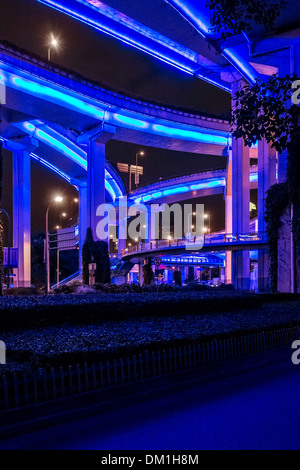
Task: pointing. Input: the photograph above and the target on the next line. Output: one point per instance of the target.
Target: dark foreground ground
(170, 320)
(245, 404)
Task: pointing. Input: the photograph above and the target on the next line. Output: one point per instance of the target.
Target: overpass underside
(66, 122)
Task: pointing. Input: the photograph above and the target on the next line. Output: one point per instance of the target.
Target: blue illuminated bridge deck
(208, 243)
(75, 104)
(177, 189)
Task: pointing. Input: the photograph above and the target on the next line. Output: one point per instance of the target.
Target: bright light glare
(58, 199)
(54, 42)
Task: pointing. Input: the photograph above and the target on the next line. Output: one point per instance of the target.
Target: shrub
(82, 289)
(22, 291)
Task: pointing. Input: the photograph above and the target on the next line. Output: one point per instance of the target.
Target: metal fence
(217, 240)
(21, 390)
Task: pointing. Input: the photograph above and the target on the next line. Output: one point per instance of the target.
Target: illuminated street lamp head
(53, 42)
(58, 199)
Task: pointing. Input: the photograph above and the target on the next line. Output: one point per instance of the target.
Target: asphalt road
(242, 405)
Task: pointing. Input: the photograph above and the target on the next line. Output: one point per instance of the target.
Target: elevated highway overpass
(179, 33)
(208, 243)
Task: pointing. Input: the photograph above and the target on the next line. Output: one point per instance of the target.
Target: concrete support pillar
(22, 217)
(95, 182)
(286, 64)
(83, 225)
(21, 148)
(141, 272)
(122, 227)
(96, 139)
(228, 216)
(240, 208)
(122, 236)
(266, 178)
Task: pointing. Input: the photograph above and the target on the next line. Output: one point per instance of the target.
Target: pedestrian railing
(21, 390)
(222, 239)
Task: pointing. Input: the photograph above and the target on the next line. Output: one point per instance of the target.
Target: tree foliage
(234, 17)
(95, 252)
(101, 258)
(264, 111)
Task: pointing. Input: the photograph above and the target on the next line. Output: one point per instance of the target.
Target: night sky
(28, 24)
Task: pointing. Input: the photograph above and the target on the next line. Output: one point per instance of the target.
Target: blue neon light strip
(110, 182)
(195, 186)
(51, 167)
(190, 133)
(126, 119)
(197, 136)
(46, 134)
(140, 28)
(192, 12)
(132, 122)
(62, 145)
(58, 97)
(67, 178)
(254, 177)
(121, 33)
(194, 16)
(241, 64)
(207, 260)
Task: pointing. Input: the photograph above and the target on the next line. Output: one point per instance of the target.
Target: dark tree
(177, 278)
(37, 259)
(101, 258)
(234, 17)
(95, 252)
(87, 255)
(148, 274)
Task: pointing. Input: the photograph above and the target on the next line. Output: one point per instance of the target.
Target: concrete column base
(263, 271)
(241, 270)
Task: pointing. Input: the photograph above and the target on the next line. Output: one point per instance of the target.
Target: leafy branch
(264, 111)
(234, 17)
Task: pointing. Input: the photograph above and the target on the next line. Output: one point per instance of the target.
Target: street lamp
(136, 166)
(57, 199)
(2, 211)
(53, 43)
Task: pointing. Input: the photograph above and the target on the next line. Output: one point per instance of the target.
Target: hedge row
(56, 310)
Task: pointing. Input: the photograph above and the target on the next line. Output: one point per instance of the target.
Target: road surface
(256, 408)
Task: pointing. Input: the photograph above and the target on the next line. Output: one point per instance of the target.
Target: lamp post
(190, 224)
(63, 215)
(136, 166)
(207, 216)
(2, 211)
(53, 43)
(57, 199)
